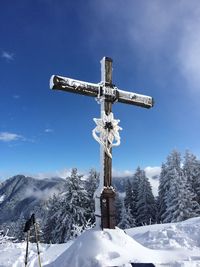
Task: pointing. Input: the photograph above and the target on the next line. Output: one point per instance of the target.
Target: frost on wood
(106, 133)
(72, 83)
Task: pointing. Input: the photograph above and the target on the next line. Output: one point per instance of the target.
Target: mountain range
(20, 195)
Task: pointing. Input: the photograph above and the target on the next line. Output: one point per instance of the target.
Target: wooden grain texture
(108, 194)
(108, 208)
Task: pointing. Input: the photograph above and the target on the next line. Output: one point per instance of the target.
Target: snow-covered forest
(69, 213)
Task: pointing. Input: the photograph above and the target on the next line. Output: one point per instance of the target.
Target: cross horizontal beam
(111, 92)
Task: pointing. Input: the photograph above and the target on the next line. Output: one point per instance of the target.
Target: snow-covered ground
(173, 245)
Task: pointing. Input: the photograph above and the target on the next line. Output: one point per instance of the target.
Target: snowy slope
(172, 245)
(13, 254)
(170, 235)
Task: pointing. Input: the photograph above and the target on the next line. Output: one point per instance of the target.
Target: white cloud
(63, 173)
(8, 137)
(159, 31)
(152, 171)
(189, 52)
(154, 185)
(171, 29)
(16, 96)
(48, 130)
(121, 174)
(57, 173)
(40, 194)
(8, 56)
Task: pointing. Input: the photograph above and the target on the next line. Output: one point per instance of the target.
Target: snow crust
(171, 245)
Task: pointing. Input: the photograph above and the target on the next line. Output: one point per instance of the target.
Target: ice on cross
(106, 132)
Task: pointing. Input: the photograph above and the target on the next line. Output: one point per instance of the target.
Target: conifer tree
(146, 207)
(180, 203)
(92, 182)
(51, 220)
(118, 207)
(191, 169)
(179, 199)
(126, 219)
(128, 199)
(135, 187)
(67, 211)
(171, 171)
(91, 185)
(76, 199)
(163, 190)
(18, 228)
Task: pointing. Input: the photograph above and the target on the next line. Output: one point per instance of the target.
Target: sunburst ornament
(106, 133)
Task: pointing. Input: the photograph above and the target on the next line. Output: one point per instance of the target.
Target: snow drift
(166, 245)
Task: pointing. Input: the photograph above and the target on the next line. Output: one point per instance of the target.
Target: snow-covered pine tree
(146, 206)
(67, 211)
(128, 199)
(178, 198)
(126, 219)
(19, 228)
(76, 200)
(172, 168)
(135, 187)
(180, 202)
(131, 193)
(197, 184)
(118, 207)
(163, 190)
(51, 220)
(91, 184)
(191, 169)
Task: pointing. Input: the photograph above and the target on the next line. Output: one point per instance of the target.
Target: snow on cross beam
(100, 89)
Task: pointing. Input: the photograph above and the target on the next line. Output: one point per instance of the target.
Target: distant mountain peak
(21, 194)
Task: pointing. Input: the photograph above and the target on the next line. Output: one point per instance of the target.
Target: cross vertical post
(106, 106)
(108, 194)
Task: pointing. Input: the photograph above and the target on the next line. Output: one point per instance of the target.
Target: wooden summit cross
(106, 131)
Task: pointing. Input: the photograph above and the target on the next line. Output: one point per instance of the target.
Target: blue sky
(155, 47)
